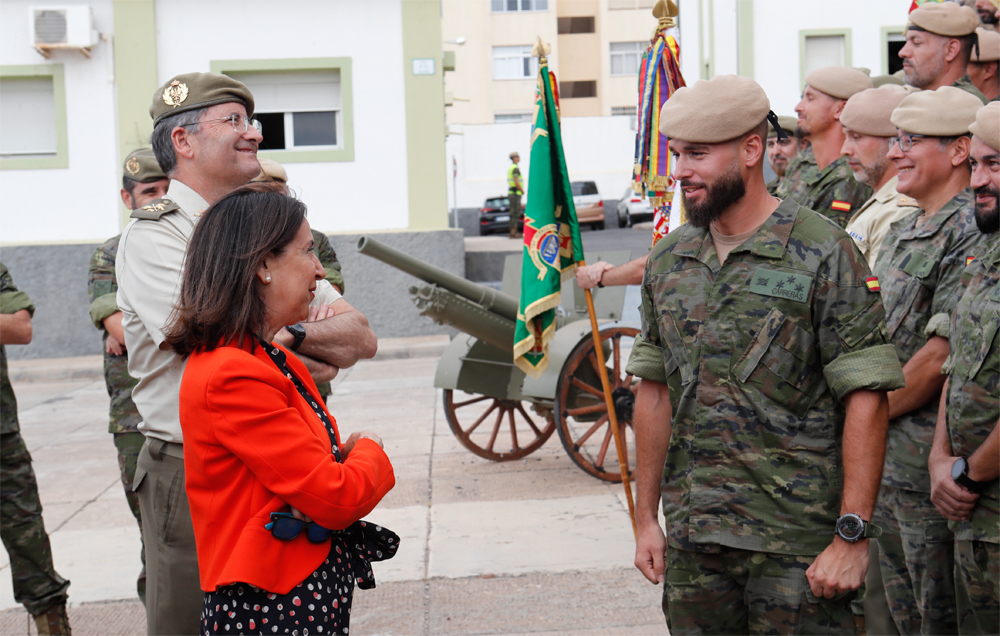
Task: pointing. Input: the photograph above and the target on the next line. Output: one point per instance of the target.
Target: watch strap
(299, 332)
(872, 531)
(967, 482)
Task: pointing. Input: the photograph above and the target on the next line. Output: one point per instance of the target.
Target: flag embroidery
(969, 259)
(840, 206)
(872, 283)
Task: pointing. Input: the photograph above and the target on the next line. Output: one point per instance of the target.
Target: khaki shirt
(871, 222)
(150, 261)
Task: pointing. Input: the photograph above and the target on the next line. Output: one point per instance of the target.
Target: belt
(158, 448)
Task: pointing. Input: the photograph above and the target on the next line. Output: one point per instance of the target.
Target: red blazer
(252, 446)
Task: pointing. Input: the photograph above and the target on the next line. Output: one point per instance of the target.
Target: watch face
(958, 468)
(850, 526)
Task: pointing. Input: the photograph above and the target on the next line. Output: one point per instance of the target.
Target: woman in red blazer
(267, 476)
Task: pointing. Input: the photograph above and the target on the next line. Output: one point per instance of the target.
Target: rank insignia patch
(969, 259)
(840, 206)
(872, 283)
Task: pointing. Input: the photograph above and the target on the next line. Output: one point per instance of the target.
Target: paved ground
(534, 546)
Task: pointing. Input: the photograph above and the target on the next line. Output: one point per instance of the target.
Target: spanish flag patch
(840, 206)
(969, 259)
(872, 282)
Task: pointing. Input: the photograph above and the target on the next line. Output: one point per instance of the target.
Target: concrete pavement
(533, 546)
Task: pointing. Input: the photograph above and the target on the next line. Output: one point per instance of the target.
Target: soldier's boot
(53, 622)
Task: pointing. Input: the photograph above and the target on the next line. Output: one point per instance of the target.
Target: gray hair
(163, 145)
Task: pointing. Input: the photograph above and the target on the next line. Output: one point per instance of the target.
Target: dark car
(494, 216)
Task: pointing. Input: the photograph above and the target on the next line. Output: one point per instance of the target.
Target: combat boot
(54, 622)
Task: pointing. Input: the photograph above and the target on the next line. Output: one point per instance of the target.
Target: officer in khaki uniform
(761, 413)
(780, 151)
(920, 274)
(965, 461)
(984, 64)
(940, 37)
(819, 178)
(36, 583)
(142, 182)
(867, 131)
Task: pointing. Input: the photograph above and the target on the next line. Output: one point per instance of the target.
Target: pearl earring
(267, 278)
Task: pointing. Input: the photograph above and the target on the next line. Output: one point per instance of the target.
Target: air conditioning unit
(66, 27)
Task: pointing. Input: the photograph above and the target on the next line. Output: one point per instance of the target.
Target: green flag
(552, 243)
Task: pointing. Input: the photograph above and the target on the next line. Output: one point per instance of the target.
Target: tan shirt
(871, 222)
(148, 267)
(726, 243)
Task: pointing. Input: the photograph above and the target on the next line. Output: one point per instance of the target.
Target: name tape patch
(768, 282)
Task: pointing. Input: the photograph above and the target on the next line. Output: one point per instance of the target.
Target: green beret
(787, 124)
(715, 110)
(987, 125)
(949, 19)
(945, 112)
(839, 82)
(191, 91)
(141, 166)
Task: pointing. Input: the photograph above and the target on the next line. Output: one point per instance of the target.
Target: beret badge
(175, 94)
(132, 166)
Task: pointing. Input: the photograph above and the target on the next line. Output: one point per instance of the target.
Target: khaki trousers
(173, 591)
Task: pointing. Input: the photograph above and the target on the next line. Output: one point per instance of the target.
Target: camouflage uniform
(772, 186)
(328, 258)
(36, 583)
(973, 408)
(920, 274)
(832, 191)
(124, 418)
(965, 83)
(758, 354)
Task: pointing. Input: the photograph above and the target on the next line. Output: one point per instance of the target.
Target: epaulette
(155, 209)
(905, 201)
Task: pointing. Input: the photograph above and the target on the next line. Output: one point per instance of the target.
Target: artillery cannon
(487, 398)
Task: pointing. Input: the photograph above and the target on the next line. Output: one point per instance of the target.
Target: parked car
(494, 216)
(633, 209)
(589, 206)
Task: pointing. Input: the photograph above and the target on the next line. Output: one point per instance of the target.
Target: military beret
(869, 111)
(882, 80)
(987, 125)
(787, 124)
(949, 19)
(272, 170)
(945, 112)
(715, 110)
(191, 91)
(839, 81)
(989, 46)
(140, 165)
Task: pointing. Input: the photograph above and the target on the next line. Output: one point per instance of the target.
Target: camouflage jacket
(758, 354)
(920, 273)
(965, 83)
(772, 186)
(324, 252)
(832, 191)
(11, 301)
(973, 369)
(102, 287)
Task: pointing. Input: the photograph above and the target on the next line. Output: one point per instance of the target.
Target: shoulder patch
(969, 259)
(153, 210)
(841, 206)
(872, 283)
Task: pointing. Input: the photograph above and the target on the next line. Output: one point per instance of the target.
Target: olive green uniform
(920, 274)
(328, 258)
(758, 354)
(36, 583)
(965, 83)
(832, 191)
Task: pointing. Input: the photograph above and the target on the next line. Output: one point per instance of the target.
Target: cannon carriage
(493, 408)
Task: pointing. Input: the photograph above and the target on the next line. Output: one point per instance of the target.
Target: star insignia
(780, 284)
(791, 279)
(798, 288)
(764, 282)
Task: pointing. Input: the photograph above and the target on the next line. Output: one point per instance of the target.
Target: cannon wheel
(495, 429)
(581, 413)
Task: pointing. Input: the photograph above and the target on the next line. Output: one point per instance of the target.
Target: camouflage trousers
(515, 212)
(743, 592)
(977, 584)
(37, 585)
(128, 445)
(917, 557)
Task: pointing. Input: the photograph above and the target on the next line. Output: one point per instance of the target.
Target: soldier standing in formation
(762, 406)
(515, 190)
(939, 42)
(142, 182)
(984, 64)
(36, 583)
(780, 152)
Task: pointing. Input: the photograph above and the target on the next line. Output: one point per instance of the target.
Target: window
(508, 6)
(304, 106)
(576, 25)
(619, 111)
(33, 117)
(583, 188)
(514, 62)
(819, 49)
(577, 89)
(625, 57)
(893, 45)
(631, 4)
(507, 118)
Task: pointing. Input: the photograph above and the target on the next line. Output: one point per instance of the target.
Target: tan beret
(715, 110)
(271, 170)
(869, 111)
(787, 124)
(987, 125)
(839, 81)
(191, 91)
(945, 112)
(140, 165)
(882, 80)
(989, 46)
(949, 19)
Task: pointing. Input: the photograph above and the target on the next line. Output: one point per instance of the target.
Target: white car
(633, 209)
(588, 203)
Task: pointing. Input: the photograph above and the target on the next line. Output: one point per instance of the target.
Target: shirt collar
(887, 192)
(931, 226)
(769, 241)
(192, 203)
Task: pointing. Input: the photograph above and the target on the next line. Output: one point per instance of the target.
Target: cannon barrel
(490, 299)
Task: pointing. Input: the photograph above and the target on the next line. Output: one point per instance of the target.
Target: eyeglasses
(286, 527)
(905, 141)
(240, 123)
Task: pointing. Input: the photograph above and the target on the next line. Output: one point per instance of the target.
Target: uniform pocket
(988, 347)
(672, 337)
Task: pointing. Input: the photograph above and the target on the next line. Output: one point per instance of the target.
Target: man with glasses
(205, 140)
(940, 37)
(920, 270)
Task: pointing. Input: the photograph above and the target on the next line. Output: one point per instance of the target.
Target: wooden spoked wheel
(495, 429)
(581, 413)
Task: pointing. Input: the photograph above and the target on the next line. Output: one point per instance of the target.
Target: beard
(988, 217)
(922, 77)
(987, 16)
(871, 174)
(719, 196)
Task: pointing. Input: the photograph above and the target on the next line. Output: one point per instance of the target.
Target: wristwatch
(960, 473)
(299, 332)
(600, 278)
(852, 528)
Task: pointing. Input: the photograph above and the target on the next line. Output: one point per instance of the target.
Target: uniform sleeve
(153, 258)
(102, 286)
(325, 294)
(649, 358)
(328, 257)
(949, 287)
(12, 300)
